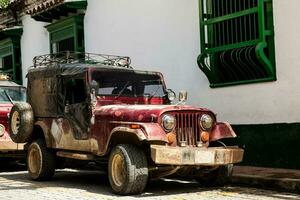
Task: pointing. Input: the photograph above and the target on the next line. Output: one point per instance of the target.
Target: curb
(287, 184)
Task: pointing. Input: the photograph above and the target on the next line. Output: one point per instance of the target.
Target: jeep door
(76, 109)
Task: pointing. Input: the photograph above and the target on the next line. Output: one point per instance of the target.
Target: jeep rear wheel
(40, 161)
(21, 122)
(128, 169)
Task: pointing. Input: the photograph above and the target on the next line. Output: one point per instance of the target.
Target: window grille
(237, 41)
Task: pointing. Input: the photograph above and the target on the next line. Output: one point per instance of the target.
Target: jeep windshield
(14, 93)
(128, 83)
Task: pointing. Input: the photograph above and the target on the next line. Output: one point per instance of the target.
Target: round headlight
(168, 122)
(206, 122)
(2, 130)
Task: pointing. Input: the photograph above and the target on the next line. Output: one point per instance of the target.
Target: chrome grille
(187, 128)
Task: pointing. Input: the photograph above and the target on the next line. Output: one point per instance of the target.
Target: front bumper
(196, 155)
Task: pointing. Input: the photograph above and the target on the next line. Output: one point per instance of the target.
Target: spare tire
(21, 121)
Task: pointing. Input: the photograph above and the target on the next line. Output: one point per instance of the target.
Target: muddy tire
(128, 170)
(41, 162)
(21, 121)
(218, 177)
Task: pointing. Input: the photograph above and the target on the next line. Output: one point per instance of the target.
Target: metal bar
(214, 85)
(231, 46)
(261, 20)
(190, 129)
(201, 25)
(219, 34)
(230, 23)
(196, 128)
(221, 24)
(235, 23)
(231, 16)
(249, 23)
(225, 7)
(182, 127)
(214, 8)
(177, 130)
(193, 128)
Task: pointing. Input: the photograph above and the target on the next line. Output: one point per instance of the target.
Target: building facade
(238, 57)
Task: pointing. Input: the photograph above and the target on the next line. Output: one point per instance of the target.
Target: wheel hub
(15, 123)
(118, 170)
(34, 160)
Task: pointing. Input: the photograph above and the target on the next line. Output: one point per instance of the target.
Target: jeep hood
(140, 113)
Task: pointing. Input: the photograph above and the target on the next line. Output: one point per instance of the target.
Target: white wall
(164, 36)
(34, 41)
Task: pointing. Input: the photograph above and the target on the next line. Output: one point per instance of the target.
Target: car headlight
(2, 130)
(206, 122)
(168, 122)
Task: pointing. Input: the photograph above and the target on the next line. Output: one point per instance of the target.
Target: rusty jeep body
(10, 92)
(105, 111)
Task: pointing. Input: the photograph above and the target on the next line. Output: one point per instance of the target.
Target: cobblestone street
(71, 184)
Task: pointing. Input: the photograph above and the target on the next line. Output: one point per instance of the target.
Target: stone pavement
(89, 185)
(283, 179)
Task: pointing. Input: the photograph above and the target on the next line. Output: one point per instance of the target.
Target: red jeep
(97, 108)
(10, 93)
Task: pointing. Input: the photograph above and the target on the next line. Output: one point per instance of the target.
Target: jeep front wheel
(40, 161)
(21, 122)
(128, 169)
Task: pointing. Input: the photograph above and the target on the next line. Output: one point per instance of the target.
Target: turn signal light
(204, 136)
(171, 138)
(135, 126)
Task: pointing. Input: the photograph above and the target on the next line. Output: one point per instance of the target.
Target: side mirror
(171, 95)
(94, 87)
(182, 96)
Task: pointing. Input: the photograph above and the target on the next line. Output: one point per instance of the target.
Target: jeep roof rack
(67, 57)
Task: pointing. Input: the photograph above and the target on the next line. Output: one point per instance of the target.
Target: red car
(97, 108)
(10, 93)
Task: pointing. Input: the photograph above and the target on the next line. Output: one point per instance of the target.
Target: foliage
(4, 3)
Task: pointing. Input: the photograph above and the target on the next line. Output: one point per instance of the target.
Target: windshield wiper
(123, 89)
(9, 98)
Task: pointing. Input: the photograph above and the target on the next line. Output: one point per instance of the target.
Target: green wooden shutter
(10, 51)
(71, 30)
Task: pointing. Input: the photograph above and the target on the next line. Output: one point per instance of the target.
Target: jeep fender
(147, 132)
(155, 132)
(120, 129)
(45, 128)
(122, 134)
(222, 130)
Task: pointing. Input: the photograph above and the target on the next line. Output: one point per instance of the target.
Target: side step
(77, 156)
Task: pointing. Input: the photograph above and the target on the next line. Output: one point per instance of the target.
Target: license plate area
(205, 157)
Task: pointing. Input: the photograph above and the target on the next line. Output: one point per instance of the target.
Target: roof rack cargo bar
(67, 57)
